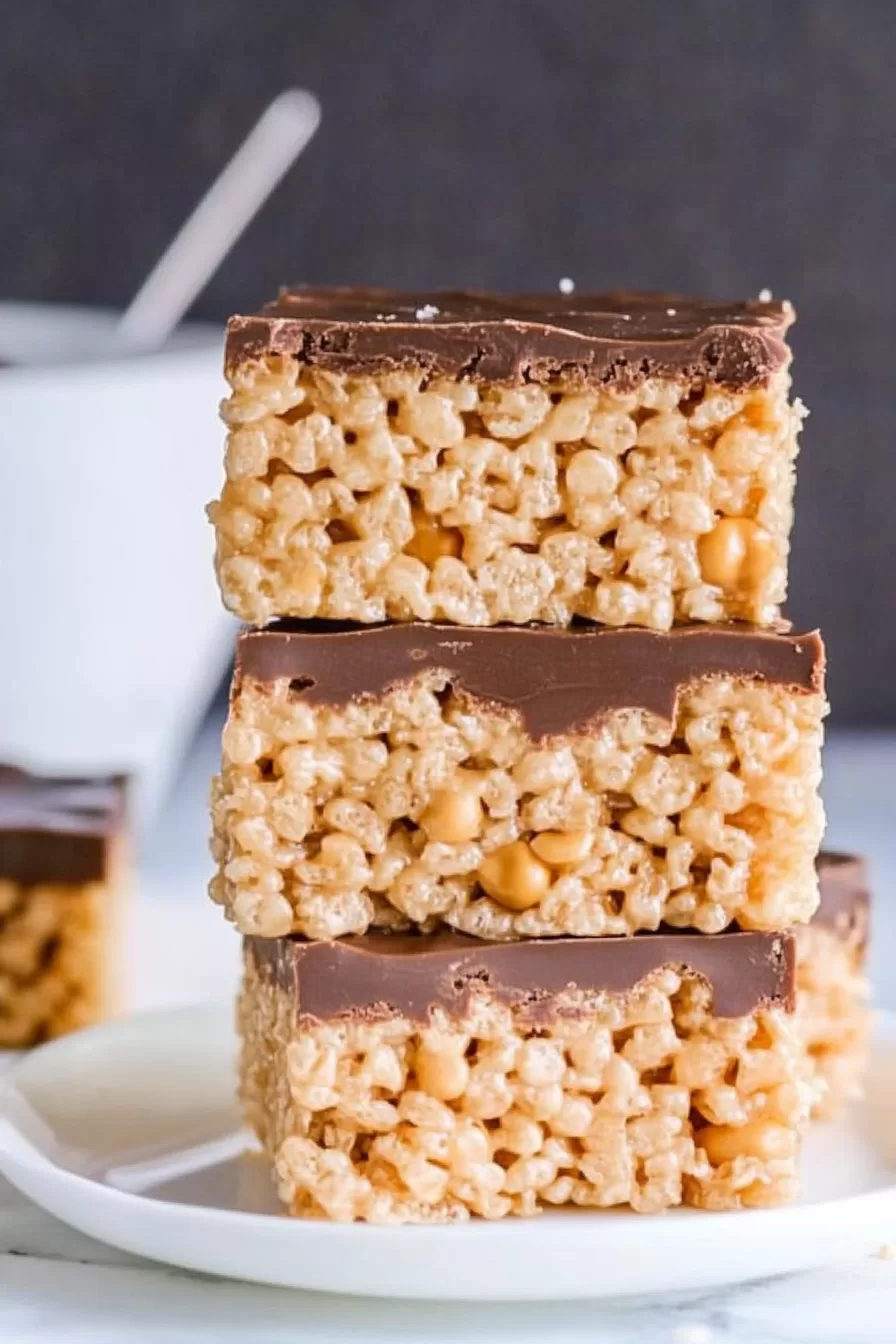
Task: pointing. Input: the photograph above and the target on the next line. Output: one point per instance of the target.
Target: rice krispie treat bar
(61, 869)
(832, 1013)
(478, 459)
(519, 782)
(394, 1078)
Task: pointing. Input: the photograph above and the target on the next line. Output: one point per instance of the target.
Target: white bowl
(115, 634)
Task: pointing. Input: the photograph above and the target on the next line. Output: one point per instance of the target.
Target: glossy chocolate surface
(378, 974)
(557, 680)
(614, 339)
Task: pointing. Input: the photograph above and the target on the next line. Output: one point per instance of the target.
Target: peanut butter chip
(737, 554)
(431, 541)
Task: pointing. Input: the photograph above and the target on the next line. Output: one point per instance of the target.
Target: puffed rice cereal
(423, 807)
(56, 959)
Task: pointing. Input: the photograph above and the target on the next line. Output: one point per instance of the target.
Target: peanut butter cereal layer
(401, 1079)
(61, 873)
(832, 1014)
(519, 782)
(480, 459)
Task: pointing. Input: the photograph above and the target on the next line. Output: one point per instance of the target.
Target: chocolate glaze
(377, 975)
(556, 680)
(617, 339)
(844, 896)
(57, 830)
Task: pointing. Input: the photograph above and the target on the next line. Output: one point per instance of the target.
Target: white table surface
(56, 1284)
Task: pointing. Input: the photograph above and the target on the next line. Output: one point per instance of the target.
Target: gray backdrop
(710, 145)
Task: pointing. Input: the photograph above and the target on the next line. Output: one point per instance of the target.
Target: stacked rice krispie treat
(519, 794)
(62, 870)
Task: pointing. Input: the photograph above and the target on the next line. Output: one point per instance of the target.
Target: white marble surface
(56, 1284)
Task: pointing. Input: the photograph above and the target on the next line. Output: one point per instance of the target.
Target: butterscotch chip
(514, 876)
(562, 849)
(430, 541)
(484, 459)
(737, 555)
(455, 813)
(442, 1072)
(401, 1079)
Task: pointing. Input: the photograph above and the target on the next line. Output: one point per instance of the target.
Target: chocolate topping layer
(557, 680)
(617, 339)
(57, 830)
(377, 974)
(844, 895)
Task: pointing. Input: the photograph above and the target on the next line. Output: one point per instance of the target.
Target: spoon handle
(271, 147)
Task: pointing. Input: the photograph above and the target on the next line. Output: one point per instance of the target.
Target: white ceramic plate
(129, 1132)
